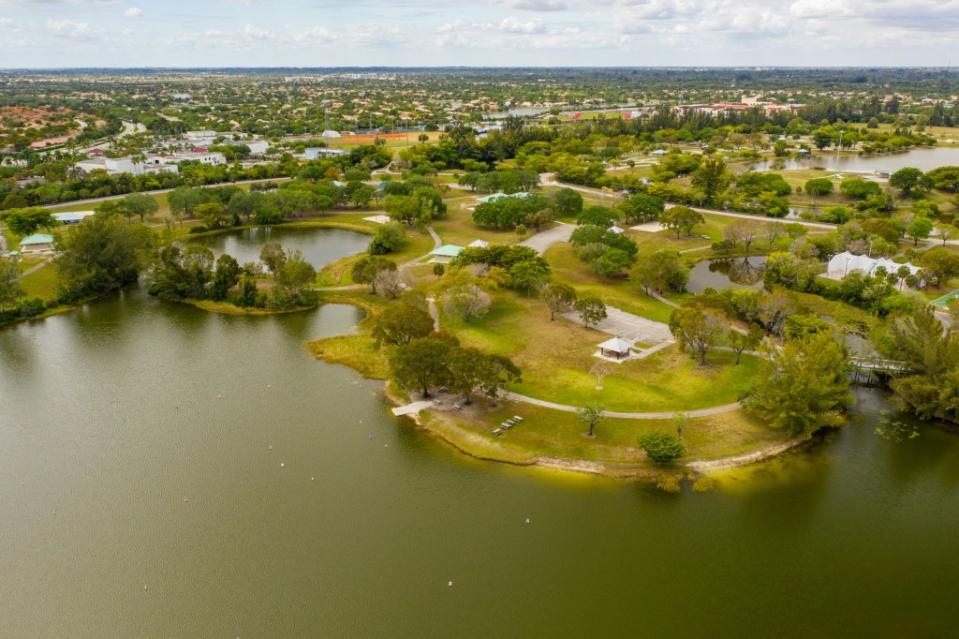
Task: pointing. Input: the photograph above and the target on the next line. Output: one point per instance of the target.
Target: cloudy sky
(67, 33)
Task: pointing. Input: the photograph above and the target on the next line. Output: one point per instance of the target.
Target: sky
(321, 33)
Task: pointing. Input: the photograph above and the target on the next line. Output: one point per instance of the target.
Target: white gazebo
(615, 348)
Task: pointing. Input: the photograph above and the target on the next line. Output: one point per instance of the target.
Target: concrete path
(36, 267)
(59, 205)
(702, 412)
(434, 312)
(545, 239)
(412, 409)
(619, 323)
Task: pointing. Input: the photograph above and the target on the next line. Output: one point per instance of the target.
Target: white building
(845, 263)
(331, 134)
(116, 166)
(316, 153)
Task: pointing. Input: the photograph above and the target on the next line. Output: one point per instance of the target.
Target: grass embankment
(226, 308)
(357, 351)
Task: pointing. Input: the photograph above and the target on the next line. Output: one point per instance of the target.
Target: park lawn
(552, 433)
(623, 294)
(42, 283)
(556, 358)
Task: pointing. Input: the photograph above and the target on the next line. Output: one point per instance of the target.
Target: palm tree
(592, 415)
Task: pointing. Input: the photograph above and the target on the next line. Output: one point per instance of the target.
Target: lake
(317, 245)
(920, 158)
(735, 272)
(166, 472)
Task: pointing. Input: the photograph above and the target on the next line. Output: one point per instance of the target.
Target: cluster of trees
(192, 273)
(413, 201)
(422, 360)
(929, 353)
(499, 180)
(607, 252)
(517, 267)
(101, 254)
(699, 329)
(13, 306)
(379, 273)
(803, 385)
(512, 212)
(661, 271)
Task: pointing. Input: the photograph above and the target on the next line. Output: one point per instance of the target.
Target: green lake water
(166, 472)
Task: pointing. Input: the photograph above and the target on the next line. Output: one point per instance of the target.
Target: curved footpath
(702, 412)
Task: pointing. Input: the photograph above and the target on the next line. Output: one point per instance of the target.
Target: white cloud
(70, 30)
(133, 12)
(535, 5)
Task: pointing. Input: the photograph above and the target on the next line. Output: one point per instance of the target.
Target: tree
(138, 204)
(681, 219)
(947, 232)
(602, 216)
(740, 342)
(423, 363)
(212, 214)
(497, 372)
(697, 330)
(819, 186)
(273, 257)
(559, 298)
(919, 229)
(910, 181)
(600, 370)
(611, 262)
(743, 231)
(661, 270)
(399, 324)
(226, 276)
(803, 386)
(387, 283)
(183, 201)
(642, 207)
(99, 255)
(466, 301)
(591, 310)
(567, 203)
(367, 268)
(10, 289)
(929, 383)
(592, 415)
(530, 275)
(388, 238)
(28, 221)
(711, 177)
(660, 447)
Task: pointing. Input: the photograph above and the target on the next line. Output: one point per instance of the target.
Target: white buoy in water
(282, 464)
(312, 478)
(144, 586)
(219, 396)
(527, 520)
(271, 447)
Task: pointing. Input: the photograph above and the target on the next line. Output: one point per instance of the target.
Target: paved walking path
(36, 267)
(702, 412)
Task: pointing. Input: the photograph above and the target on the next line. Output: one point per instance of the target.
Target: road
(96, 200)
(549, 179)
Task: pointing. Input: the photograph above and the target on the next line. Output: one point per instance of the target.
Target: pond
(166, 472)
(318, 245)
(924, 159)
(736, 272)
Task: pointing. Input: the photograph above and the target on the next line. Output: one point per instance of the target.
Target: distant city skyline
(324, 33)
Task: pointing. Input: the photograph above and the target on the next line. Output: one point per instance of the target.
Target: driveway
(545, 239)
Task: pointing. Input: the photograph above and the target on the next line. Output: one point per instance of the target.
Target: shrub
(660, 447)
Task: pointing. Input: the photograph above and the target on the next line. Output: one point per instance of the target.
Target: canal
(166, 472)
